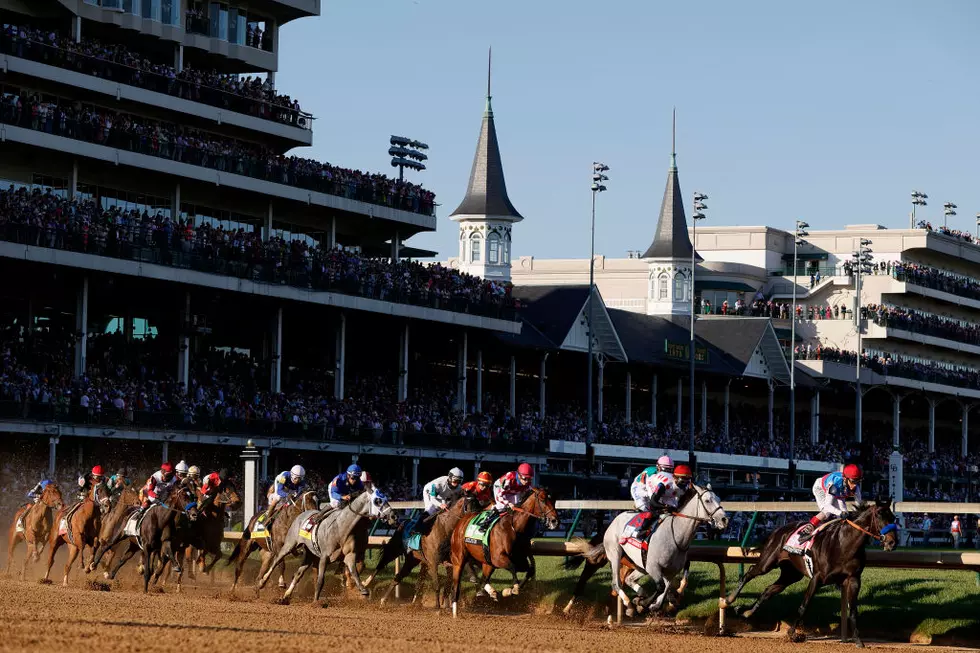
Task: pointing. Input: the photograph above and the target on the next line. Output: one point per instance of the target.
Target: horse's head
(185, 500)
(540, 504)
(379, 507)
(879, 520)
(102, 497)
(308, 501)
(228, 498)
(51, 497)
(709, 507)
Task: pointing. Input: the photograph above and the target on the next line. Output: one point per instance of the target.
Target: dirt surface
(84, 616)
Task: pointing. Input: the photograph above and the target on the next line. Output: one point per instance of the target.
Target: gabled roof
(745, 337)
(671, 240)
(486, 194)
(645, 339)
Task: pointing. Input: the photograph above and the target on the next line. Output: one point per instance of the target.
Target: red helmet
(484, 477)
(682, 471)
(366, 478)
(852, 472)
(97, 470)
(167, 468)
(525, 470)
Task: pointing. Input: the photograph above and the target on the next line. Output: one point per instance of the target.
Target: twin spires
(671, 240)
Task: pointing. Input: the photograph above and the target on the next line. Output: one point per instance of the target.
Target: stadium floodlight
(949, 210)
(918, 199)
(405, 153)
(862, 262)
(698, 214)
(598, 176)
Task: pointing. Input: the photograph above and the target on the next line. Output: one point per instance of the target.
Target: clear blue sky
(830, 111)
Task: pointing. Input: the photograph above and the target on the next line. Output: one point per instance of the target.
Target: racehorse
(209, 529)
(163, 533)
(838, 556)
(509, 543)
(123, 504)
(629, 575)
(428, 554)
(331, 539)
(667, 546)
(269, 540)
(32, 524)
(78, 527)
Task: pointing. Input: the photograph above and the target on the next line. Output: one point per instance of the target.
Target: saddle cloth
(20, 526)
(411, 540)
(632, 527)
(794, 546)
(307, 531)
(476, 533)
(133, 524)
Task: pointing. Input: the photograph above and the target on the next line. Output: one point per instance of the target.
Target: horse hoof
(284, 600)
(797, 638)
(507, 592)
(282, 585)
(45, 581)
(473, 578)
(364, 592)
(630, 612)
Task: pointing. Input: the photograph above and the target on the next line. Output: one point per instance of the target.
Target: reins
(874, 518)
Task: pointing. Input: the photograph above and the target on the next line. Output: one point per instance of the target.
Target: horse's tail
(580, 549)
(245, 538)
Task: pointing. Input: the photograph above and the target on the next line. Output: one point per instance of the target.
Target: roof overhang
(605, 341)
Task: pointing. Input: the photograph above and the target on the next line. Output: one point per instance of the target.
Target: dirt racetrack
(52, 618)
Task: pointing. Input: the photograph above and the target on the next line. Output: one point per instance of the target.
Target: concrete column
(272, 78)
(403, 365)
(276, 380)
(772, 389)
(476, 468)
(858, 419)
(513, 386)
(29, 326)
(52, 455)
(250, 457)
(479, 381)
(602, 369)
(179, 57)
(932, 425)
(81, 329)
(73, 182)
(340, 358)
(184, 345)
(629, 397)
(166, 451)
(653, 402)
(461, 361)
(332, 234)
(704, 406)
(267, 229)
(815, 421)
(542, 376)
(896, 419)
(415, 474)
(396, 245)
(725, 423)
(964, 429)
(76, 28)
(264, 473)
(680, 404)
(79, 455)
(175, 207)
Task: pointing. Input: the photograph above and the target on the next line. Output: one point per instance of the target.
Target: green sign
(683, 352)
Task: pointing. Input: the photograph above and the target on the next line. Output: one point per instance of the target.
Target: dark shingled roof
(671, 239)
(551, 309)
(739, 336)
(486, 193)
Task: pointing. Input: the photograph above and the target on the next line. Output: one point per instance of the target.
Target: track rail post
(844, 611)
(398, 568)
(722, 591)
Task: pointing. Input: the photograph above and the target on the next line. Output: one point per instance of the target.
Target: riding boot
(489, 519)
(806, 533)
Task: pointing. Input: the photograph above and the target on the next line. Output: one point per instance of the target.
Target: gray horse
(668, 545)
(331, 539)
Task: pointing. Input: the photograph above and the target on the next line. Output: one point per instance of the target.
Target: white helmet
(194, 471)
(455, 474)
(298, 472)
(181, 468)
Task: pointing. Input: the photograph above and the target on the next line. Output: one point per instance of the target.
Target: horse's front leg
(852, 586)
(350, 560)
(807, 596)
(487, 587)
(531, 572)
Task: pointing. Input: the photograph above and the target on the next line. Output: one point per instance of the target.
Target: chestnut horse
(208, 530)
(510, 543)
(124, 503)
(269, 540)
(838, 557)
(82, 530)
(32, 524)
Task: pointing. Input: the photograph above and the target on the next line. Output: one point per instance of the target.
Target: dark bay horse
(208, 530)
(432, 553)
(83, 524)
(124, 503)
(270, 540)
(838, 557)
(510, 543)
(32, 524)
(163, 533)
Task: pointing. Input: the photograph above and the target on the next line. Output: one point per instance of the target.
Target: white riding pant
(827, 504)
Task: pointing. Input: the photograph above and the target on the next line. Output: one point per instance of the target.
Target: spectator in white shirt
(955, 530)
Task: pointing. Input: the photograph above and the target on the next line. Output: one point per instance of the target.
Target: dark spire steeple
(671, 239)
(486, 194)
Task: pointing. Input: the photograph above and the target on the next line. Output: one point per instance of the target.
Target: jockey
(119, 481)
(831, 491)
(35, 494)
(481, 489)
(509, 490)
(287, 484)
(88, 482)
(665, 464)
(194, 473)
(181, 471)
(159, 486)
(212, 486)
(441, 493)
(345, 484)
(656, 492)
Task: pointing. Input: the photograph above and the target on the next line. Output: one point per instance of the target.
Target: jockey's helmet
(682, 476)
(182, 469)
(525, 472)
(297, 473)
(97, 471)
(665, 464)
(852, 473)
(194, 471)
(223, 473)
(167, 469)
(354, 470)
(366, 478)
(484, 478)
(455, 476)
(121, 472)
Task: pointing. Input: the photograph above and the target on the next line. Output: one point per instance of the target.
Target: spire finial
(673, 141)
(489, 109)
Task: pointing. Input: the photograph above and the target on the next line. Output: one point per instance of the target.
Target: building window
(476, 245)
(679, 286)
(493, 249)
(662, 295)
(505, 251)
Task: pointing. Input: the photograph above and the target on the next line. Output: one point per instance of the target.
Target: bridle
(874, 525)
(699, 520)
(531, 513)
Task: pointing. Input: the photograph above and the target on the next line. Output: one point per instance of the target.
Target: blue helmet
(45, 483)
(354, 470)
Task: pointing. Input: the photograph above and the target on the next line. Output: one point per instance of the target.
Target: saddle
(795, 547)
(478, 530)
(307, 531)
(64, 527)
(133, 524)
(633, 528)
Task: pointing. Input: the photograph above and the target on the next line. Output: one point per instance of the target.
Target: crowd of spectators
(946, 231)
(936, 279)
(116, 62)
(46, 219)
(183, 144)
(929, 324)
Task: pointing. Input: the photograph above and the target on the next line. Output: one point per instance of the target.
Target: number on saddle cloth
(634, 527)
(411, 539)
(793, 544)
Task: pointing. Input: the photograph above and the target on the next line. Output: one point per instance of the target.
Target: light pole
(949, 210)
(699, 207)
(801, 233)
(862, 265)
(405, 153)
(978, 227)
(598, 176)
(918, 199)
